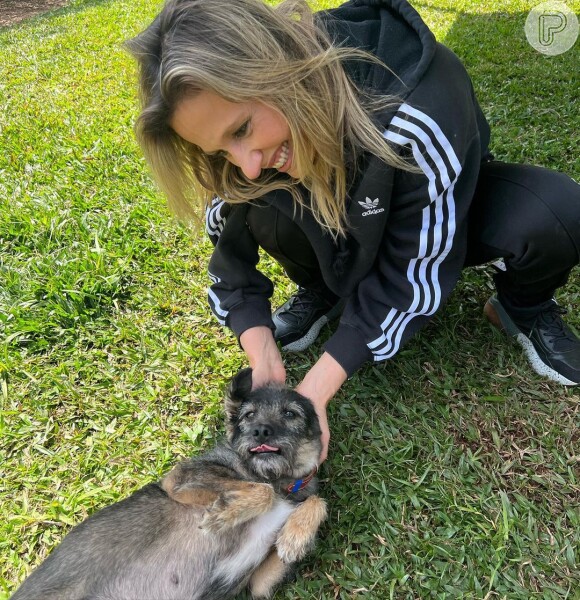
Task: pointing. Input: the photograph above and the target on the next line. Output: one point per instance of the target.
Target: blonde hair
(245, 50)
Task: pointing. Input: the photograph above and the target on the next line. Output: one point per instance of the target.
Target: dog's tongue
(264, 448)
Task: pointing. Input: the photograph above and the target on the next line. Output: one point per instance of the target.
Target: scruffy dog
(238, 515)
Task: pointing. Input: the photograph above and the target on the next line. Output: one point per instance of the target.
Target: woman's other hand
(320, 385)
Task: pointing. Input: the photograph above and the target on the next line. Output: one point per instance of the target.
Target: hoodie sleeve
(239, 295)
(424, 240)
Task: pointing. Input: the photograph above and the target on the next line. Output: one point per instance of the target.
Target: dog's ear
(238, 390)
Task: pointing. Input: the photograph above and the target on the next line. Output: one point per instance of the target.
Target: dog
(237, 516)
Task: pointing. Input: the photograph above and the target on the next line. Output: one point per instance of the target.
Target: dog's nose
(262, 432)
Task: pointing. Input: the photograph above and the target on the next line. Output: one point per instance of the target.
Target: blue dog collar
(300, 484)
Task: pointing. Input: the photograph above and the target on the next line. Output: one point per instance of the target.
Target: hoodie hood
(393, 31)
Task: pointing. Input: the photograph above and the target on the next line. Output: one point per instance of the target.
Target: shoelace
(558, 330)
(302, 300)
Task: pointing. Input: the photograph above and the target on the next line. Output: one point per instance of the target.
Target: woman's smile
(283, 158)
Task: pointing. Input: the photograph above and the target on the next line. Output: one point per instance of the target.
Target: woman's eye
(243, 130)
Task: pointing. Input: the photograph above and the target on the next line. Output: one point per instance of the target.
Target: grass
(453, 470)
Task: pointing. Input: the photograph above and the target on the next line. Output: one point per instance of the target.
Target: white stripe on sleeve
(437, 159)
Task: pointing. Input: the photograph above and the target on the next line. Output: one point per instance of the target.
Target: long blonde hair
(246, 50)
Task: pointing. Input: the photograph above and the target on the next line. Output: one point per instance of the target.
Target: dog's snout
(262, 432)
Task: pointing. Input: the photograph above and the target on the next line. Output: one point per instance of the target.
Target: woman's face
(252, 135)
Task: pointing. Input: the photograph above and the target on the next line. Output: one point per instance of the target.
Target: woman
(348, 145)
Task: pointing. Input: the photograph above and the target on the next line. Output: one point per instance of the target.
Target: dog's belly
(258, 537)
(199, 568)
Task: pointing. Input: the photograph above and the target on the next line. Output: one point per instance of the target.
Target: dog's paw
(214, 521)
(291, 548)
(238, 506)
(299, 531)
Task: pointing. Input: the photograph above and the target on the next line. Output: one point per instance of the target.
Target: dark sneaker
(553, 349)
(299, 321)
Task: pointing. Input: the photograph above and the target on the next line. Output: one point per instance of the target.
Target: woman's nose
(249, 161)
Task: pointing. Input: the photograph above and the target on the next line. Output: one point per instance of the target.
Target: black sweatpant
(528, 216)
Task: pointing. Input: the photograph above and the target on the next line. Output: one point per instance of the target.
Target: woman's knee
(528, 210)
(555, 215)
(283, 239)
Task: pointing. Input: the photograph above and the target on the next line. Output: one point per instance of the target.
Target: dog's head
(274, 429)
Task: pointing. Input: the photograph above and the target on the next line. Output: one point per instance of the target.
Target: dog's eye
(289, 413)
(249, 415)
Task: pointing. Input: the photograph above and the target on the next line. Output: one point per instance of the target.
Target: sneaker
(553, 349)
(299, 321)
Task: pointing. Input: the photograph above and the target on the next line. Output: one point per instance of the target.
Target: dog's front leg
(187, 490)
(299, 531)
(243, 502)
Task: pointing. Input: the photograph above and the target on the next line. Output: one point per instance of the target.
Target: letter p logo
(549, 25)
(551, 28)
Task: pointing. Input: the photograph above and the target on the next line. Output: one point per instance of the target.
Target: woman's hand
(263, 355)
(320, 385)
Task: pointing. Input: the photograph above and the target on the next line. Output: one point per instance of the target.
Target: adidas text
(374, 211)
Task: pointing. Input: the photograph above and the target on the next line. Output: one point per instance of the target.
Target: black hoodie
(406, 239)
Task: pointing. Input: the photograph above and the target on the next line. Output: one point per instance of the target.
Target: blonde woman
(348, 145)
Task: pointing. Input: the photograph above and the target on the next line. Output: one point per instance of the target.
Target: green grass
(453, 470)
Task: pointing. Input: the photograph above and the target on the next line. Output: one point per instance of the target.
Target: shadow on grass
(74, 6)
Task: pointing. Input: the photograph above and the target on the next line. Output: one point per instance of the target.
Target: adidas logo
(371, 207)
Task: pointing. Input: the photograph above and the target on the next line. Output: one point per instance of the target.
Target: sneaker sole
(310, 337)
(498, 317)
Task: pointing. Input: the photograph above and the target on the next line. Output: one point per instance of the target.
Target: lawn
(453, 469)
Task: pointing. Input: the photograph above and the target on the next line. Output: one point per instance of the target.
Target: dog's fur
(213, 525)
